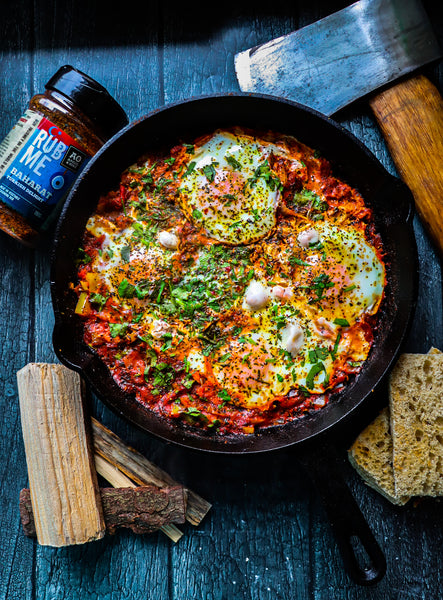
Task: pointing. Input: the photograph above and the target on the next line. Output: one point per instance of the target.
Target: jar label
(38, 164)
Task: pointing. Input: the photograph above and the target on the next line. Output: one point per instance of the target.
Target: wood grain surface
(266, 536)
(62, 479)
(410, 115)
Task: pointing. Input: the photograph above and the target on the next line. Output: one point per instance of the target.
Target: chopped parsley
(354, 364)
(126, 289)
(233, 162)
(293, 260)
(341, 322)
(264, 171)
(125, 253)
(167, 338)
(321, 283)
(190, 168)
(99, 300)
(229, 197)
(209, 172)
(164, 374)
(83, 257)
(311, 200)
(223, 395)
(334, 350)
(118, 329)
(247, 340)
(313, 372)
(194, 412)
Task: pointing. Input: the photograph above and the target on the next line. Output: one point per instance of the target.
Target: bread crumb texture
(371, 456)
(416, 405)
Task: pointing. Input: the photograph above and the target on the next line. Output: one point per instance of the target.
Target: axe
(369, 49)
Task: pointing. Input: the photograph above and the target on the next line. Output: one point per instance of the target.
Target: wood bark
(142, 471)
(143, 509)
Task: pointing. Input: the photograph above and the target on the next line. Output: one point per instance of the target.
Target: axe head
(342, 57)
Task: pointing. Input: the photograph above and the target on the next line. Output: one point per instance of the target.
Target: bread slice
(371, 456)
(372, 453)
(416, 406)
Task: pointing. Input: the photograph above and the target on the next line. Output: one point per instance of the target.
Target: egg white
(237, 206)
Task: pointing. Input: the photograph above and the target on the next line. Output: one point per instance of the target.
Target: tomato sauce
(175, 332)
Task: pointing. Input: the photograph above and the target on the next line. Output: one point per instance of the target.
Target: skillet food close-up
(231, 282)
(229, 273)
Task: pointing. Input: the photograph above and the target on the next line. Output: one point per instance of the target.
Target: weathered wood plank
(16, 264)
(121, 53)
(254, 498)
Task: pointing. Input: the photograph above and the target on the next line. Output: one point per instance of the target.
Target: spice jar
(49, 147)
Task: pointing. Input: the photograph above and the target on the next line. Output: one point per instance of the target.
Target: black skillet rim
(397, 219)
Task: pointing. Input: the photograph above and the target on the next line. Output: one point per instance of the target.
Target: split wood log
(63, 483)
(140, 470)
(143, 509)
(119, 464)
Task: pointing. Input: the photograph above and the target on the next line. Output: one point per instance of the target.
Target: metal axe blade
(342, 57)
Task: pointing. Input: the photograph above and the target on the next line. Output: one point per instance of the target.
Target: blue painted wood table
(267, 535)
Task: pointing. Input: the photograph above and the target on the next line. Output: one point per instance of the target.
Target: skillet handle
(352, 533)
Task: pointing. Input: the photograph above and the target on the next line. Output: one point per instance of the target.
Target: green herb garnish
(99, 300)
(126, 289)
(233, 162)
(223, 395)
(117, 329)
(334, 350)
(83, 257)
(321, 283)
(209, 172)
(322, 353)
(293, 260)
(314, 371)
(194, 412)
(341, 322)
(190, 168)
(264, 171)
(125, 253)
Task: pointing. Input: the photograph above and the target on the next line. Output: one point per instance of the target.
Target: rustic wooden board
(266, 536)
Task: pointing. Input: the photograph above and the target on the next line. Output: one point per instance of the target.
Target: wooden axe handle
(410, 115)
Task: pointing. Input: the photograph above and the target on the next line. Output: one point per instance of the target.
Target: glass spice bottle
(49, 147)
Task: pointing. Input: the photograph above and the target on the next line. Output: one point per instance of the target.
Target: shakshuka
(232, 282)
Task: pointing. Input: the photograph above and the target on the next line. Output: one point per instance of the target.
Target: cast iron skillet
(392, 205)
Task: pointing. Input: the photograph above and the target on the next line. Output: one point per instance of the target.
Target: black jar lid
(91, 98)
